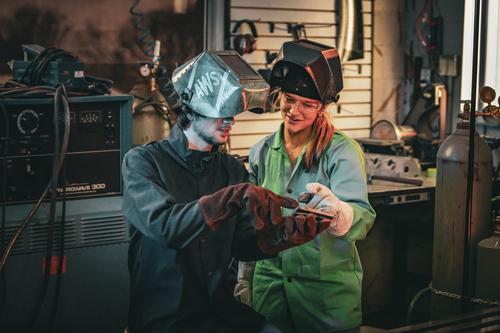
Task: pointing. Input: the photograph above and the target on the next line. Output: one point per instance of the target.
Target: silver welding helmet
(308, 69)
(220, 84)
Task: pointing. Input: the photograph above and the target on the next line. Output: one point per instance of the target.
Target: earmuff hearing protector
(245, 43)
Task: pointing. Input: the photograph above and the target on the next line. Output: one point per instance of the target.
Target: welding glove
(245, 199)
(324, 200)
(295, 230)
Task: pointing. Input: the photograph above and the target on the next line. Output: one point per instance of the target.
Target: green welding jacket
(315, 287)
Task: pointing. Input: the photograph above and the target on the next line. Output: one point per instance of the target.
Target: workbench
(383, 192)
(398, 249)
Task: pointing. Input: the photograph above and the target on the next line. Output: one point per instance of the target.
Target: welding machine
(87, 287)
(100, 136)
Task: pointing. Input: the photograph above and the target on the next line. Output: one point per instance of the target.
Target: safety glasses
(306, 106)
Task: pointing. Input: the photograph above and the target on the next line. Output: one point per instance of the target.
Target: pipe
(466, 292)
(443, 97)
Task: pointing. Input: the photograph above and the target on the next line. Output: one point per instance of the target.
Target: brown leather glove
(295, 230)
(259, 203)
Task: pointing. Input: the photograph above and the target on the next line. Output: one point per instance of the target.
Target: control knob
(28, 122)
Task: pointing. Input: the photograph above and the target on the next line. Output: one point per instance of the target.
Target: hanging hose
(425, 17)
(413, 302)
(145, 36)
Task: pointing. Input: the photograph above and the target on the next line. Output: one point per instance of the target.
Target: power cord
(159, 107)
(38, 66)
(36, 206)
(60, 265)
(32, 82)
(6, 139)
(52, 212)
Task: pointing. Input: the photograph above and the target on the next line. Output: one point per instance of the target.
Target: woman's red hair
(321, 136)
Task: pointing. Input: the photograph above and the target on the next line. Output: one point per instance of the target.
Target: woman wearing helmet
(315, 287)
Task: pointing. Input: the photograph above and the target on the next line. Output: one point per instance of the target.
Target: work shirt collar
(278, 164)
(276, 141)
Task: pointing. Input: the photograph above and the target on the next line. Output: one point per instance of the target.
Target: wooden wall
(353, 112)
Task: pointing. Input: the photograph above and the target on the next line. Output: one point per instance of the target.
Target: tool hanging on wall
(427, 37)
(429, 31)
(245, 43)
(350, 44)
(298, 31)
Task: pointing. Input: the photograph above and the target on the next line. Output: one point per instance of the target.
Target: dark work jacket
(179, 267)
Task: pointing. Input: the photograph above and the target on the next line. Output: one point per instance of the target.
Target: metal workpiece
(392, 165)
(450, 207)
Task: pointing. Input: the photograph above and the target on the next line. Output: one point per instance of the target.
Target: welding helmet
(219, 85)
(308, 69)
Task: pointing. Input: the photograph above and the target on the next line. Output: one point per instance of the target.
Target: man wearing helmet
(191, 211)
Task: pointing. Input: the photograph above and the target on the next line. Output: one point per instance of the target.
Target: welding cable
(52, 211)
(34, 64)
(413, 302)
(23, 92)
(40, 64)
(159, 107)
(34, 92)
(41, 68)
(9, 85)
(36, 206)
(100, 79)
(3, 291)
(147, 46)
(60, 266)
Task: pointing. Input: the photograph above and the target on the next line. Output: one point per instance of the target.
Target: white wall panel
(352, 114)
(280, 30)
(258, 57)
(295, 4)
(270, 43)
(264, 14)
(315, 5)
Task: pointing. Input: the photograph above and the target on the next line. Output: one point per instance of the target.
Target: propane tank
(450, 206)
(488, 266)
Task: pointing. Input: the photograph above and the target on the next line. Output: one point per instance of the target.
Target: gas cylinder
(151, 118)
(450, 207)
(488, 266)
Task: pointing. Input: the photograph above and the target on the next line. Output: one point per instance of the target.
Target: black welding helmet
(219, 84)
(308, 69)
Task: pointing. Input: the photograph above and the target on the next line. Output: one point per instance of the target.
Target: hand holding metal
(304, 198)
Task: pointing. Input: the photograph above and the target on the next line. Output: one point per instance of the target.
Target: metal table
(383, 192)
